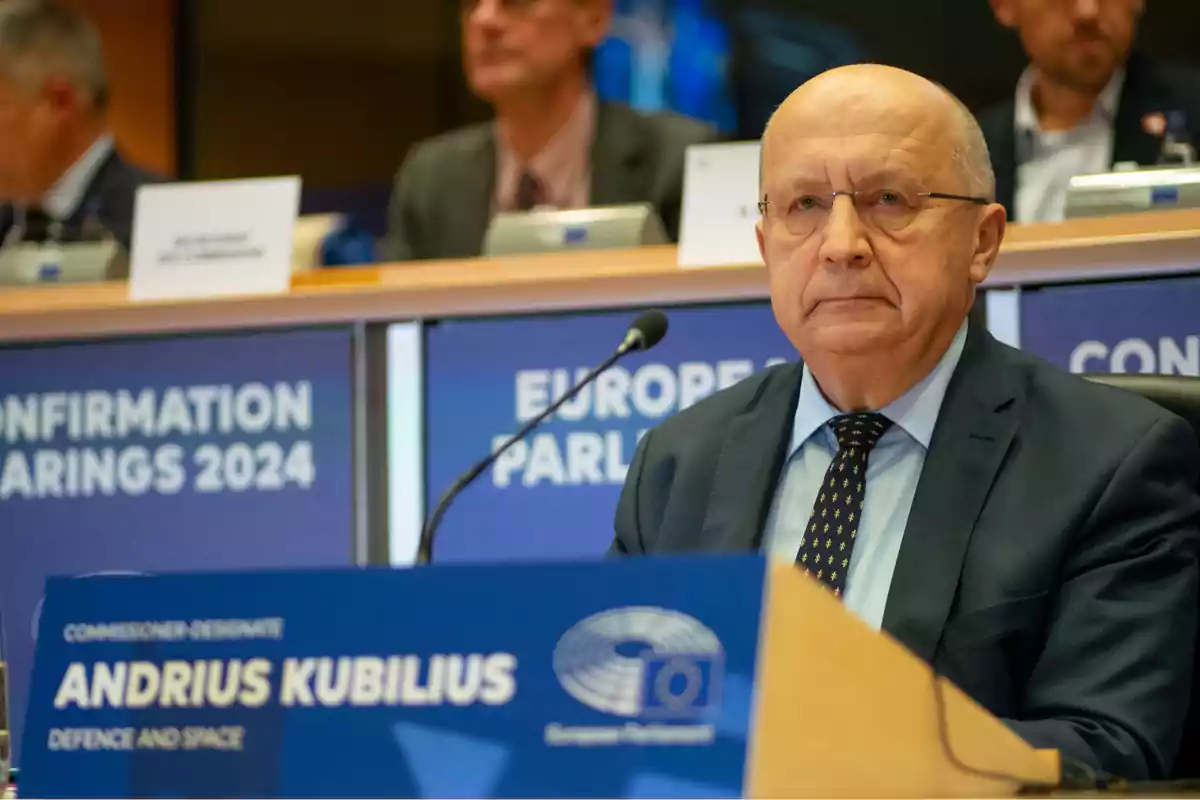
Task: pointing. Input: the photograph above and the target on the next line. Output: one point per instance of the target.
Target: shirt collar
(561, 163)
(63, 198)
(915, 412)
(1025, 116)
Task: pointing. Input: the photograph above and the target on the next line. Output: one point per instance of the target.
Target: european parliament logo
(659, 669)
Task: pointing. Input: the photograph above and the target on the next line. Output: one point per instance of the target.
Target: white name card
(213, 238)
(720, 205)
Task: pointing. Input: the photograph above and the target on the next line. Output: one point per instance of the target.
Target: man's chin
(494, 84)
(854, 338)
(1088, 72)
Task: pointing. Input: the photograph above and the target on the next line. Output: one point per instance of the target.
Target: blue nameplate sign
(607, 679)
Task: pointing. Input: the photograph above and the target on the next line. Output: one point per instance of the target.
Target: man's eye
(807, 202)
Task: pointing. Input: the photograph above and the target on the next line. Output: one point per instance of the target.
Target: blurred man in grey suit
(59, 169)
(551, 144)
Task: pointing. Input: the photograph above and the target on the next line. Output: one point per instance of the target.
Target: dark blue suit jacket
(1049, 564)
(109, 195)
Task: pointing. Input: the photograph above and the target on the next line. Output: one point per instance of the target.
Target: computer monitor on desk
(68, 262)
(599, 228)
(1124, 192)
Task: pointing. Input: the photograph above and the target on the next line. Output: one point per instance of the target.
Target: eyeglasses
(886, 210)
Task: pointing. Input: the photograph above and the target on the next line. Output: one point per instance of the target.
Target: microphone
(645, 332)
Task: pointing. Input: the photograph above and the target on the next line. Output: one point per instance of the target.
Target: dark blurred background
(338, 92)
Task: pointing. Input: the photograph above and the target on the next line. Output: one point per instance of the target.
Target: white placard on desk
(213, 238)
(720, 205)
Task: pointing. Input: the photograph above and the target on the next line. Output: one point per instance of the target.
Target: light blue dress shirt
(892, 474)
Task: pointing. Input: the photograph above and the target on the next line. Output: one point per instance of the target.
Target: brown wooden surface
(844, 711)
(1150, 243)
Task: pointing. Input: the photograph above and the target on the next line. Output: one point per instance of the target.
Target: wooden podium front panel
(843, 711)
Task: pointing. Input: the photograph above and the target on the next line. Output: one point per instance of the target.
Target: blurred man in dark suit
(1083, 104)
(1029, 533)
(551, 144)
(59, 170)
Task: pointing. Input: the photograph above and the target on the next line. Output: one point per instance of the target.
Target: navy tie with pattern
(837, 509)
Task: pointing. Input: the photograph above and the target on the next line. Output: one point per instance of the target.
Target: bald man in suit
(1030, 533)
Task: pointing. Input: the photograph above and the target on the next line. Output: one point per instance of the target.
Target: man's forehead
(861, 103)
(853, 122)
(856, 117)
(856, 158)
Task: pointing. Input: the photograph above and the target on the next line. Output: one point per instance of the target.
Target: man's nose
(844, 239)
(485, 13)
(1085, 10)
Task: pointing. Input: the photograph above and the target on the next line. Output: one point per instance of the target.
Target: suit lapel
(619, 156)
(751, 456)
(1141, 95)
(975, 428)
(468, 198)
(91, 202)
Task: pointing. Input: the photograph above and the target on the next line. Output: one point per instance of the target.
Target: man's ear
(597, 21)
(63, 96)
(989, 235)
(1005, 12)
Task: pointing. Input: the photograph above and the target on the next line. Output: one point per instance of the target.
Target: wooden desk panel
(1141, 244)
(1158, 243)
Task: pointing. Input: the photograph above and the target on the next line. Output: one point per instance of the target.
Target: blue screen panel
(668, 55)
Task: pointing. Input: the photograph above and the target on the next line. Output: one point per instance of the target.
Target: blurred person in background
(59, 169)
(551, 144)
(1083, 104)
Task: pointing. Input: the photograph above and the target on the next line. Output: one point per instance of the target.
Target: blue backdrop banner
(1150, 326)
(217, 452)
(554, 495)
(617, 679)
